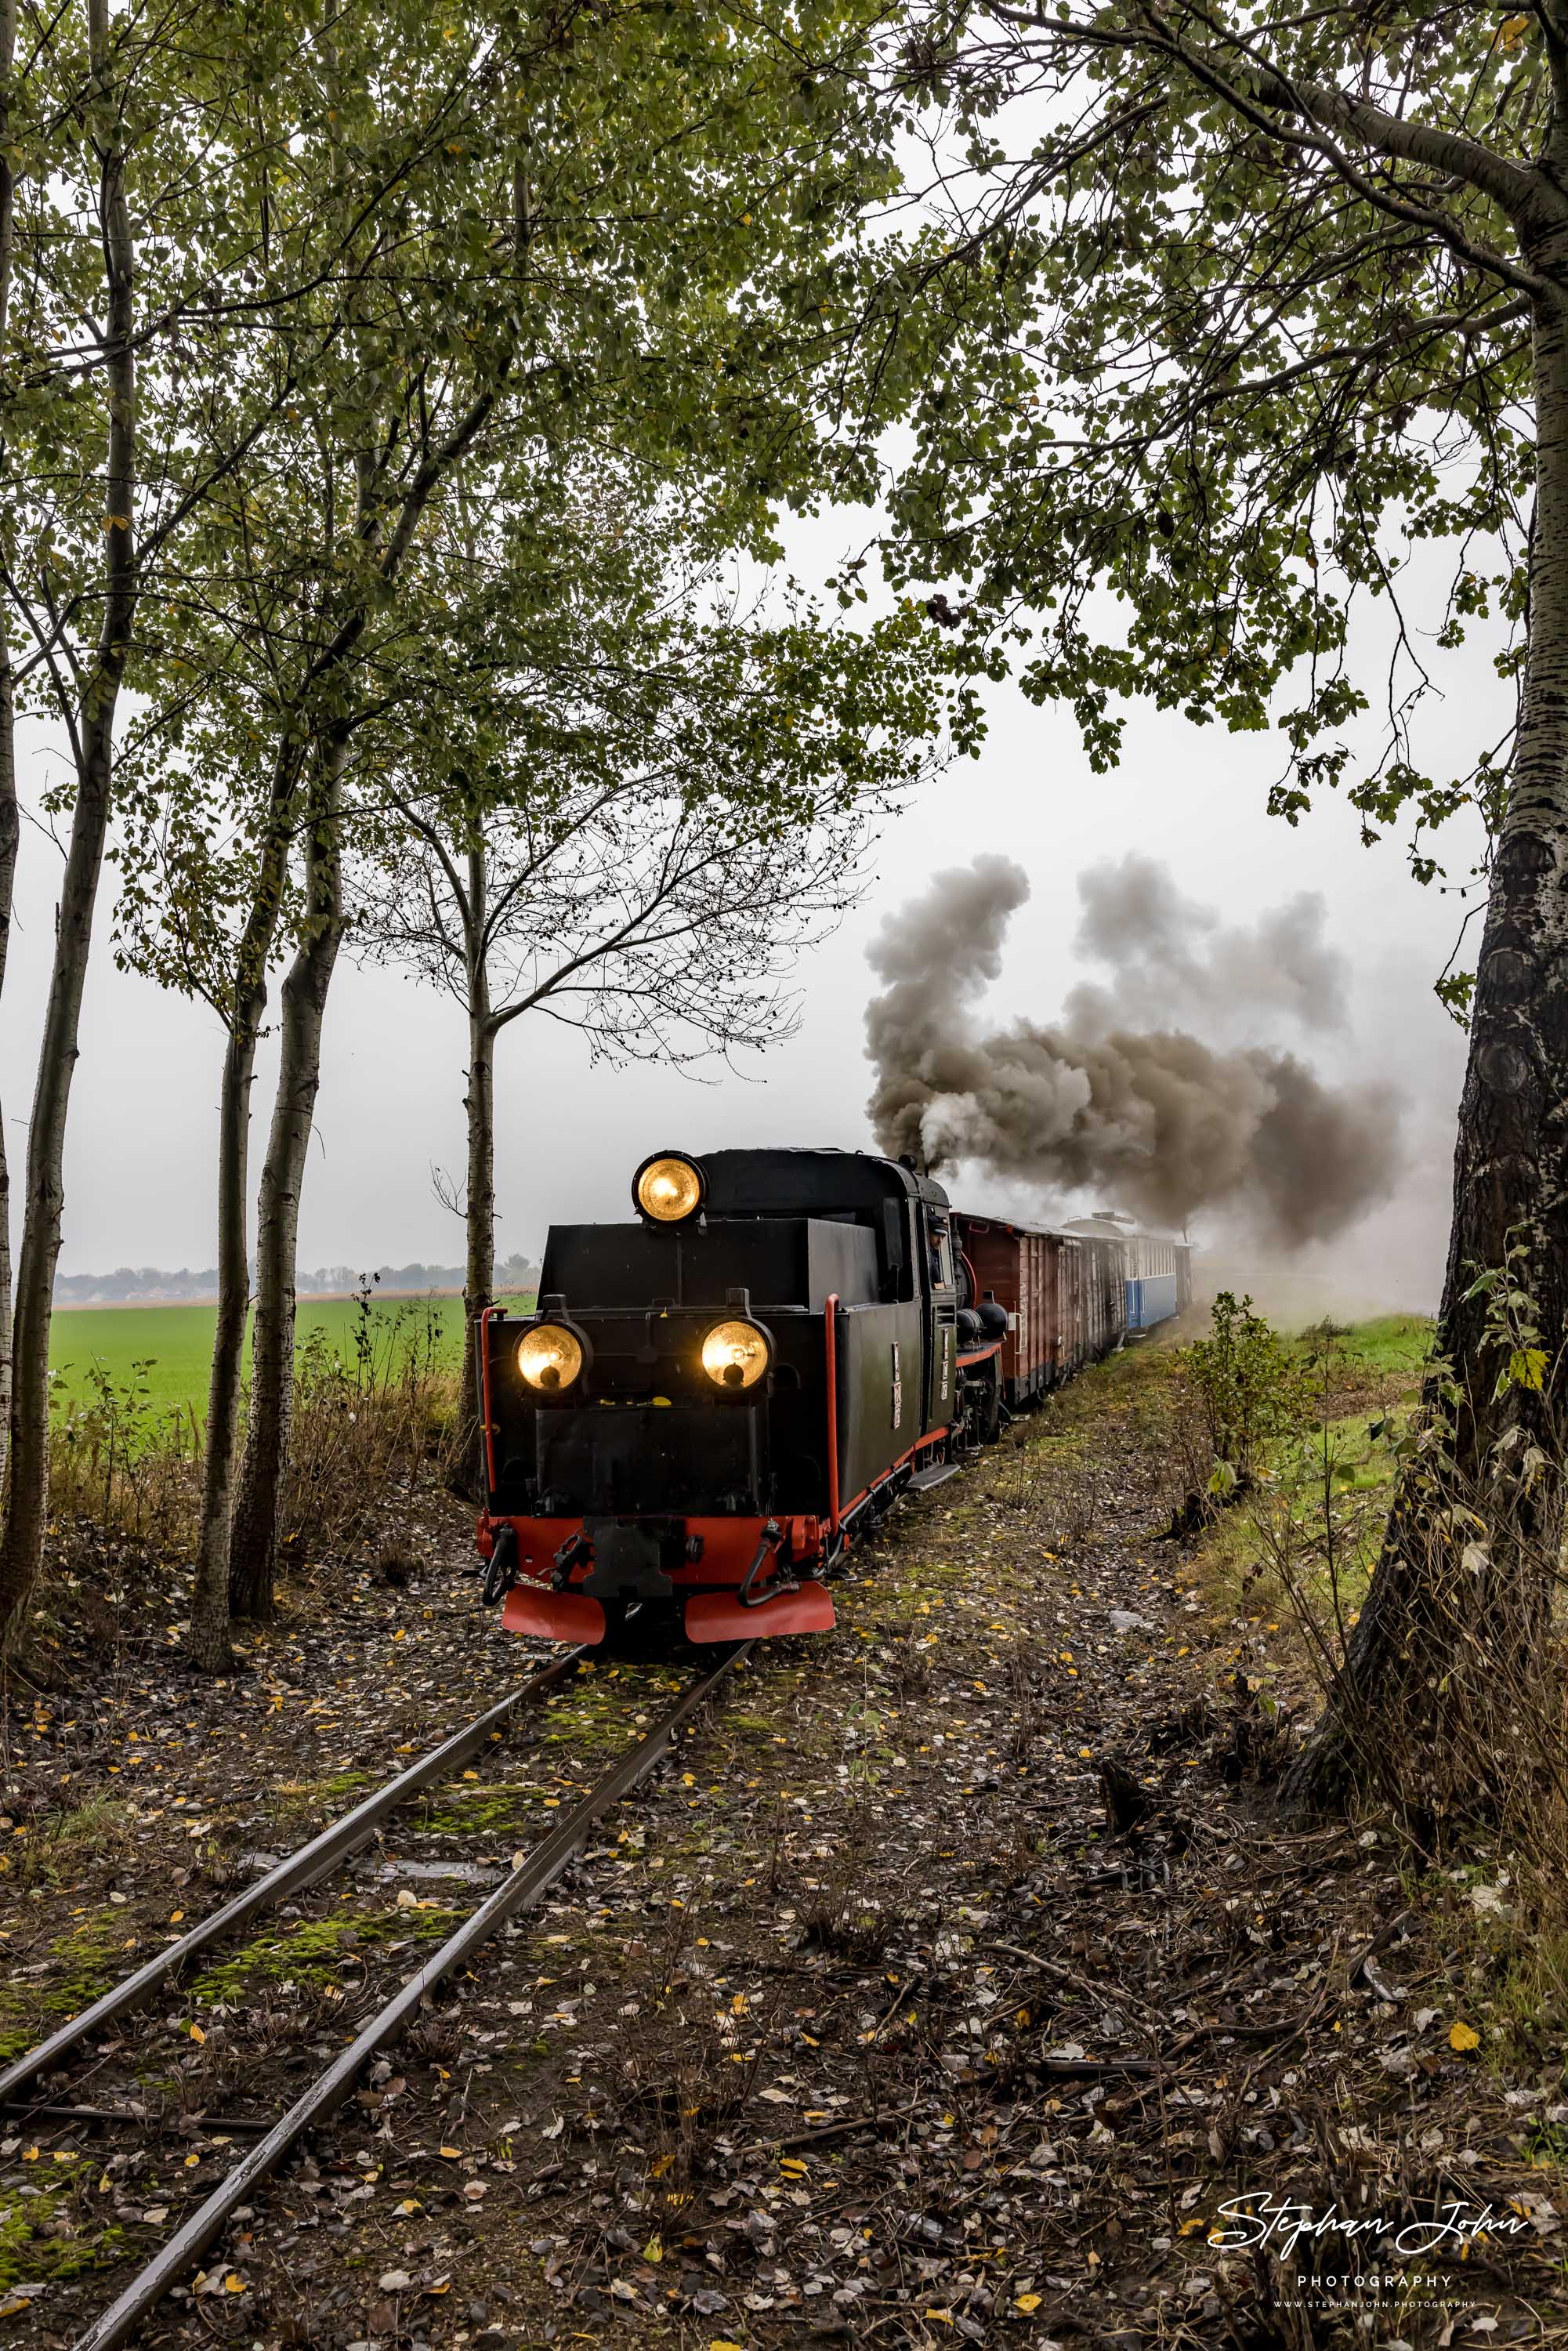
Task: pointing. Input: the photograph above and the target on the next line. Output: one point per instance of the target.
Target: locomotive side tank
(711, 1399)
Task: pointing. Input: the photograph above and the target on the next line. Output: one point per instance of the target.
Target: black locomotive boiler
(711, 1401)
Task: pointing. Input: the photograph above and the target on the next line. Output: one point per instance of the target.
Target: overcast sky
(139, 1179)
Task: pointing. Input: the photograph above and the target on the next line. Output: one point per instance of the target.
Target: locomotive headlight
(736, 1354)
(549, 1356)
(668, 1188)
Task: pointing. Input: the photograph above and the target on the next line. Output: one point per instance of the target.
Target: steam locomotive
(713, 1401)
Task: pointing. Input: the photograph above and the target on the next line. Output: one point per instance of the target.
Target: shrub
(1246, 1389)
(363, 1420)
(123, 1462)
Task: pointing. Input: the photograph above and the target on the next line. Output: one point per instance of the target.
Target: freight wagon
(1070, 1294)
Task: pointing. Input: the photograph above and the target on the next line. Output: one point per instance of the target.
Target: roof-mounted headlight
(669, 1187)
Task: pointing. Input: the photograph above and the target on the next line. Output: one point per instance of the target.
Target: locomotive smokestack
(1157, 1116)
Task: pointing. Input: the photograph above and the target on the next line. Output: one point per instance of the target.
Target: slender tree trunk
(27, 1478)
(1402, 1673)
(208, 1641)
(479, 1277)
(10, 835)
(209, 1636)
(10, 822)
(252, 1544)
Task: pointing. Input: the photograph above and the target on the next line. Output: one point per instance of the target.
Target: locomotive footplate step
(924, 1480)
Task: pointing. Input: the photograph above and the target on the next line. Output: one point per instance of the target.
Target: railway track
(532, 1875)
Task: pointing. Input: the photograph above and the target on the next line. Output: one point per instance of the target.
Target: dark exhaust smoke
(1151, 1117)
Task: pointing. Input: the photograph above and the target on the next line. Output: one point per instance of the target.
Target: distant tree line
(151, 1285)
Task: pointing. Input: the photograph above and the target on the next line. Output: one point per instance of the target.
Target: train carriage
(713, 1400)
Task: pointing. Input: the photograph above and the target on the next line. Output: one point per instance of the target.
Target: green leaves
(390, 281)
(1194, 365)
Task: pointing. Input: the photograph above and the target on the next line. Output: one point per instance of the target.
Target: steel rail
(530, 1881)
(296, 1870)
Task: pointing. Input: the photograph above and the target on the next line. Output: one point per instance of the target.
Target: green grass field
(176, 1342)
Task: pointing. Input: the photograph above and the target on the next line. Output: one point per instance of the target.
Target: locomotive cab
(711, 1398)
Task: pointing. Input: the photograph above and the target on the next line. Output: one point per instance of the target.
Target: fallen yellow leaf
(196, 2033)
(1463, 2036)
(1028, 2301)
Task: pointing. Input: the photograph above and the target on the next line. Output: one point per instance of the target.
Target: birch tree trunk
(28, 1479)
(1511, 1182)
(10, 821)
(253, 1539)
(479, 1274)
(10, 835)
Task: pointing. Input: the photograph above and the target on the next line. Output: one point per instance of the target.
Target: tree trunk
(208, 1641)
(252, 1545)
(10, 821)
(209, 1636)
(479, 1277)
(28, 1479)
(10, 836)
(1402, 1677)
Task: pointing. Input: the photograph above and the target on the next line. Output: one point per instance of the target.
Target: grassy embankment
(1304, 1540)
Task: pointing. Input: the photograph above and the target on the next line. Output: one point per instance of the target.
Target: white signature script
(1259, 2220)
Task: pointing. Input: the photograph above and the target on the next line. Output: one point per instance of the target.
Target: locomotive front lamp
(668, 1188)
(549, 1356)
(736, 1354)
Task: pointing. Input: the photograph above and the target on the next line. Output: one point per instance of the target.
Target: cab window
(939, 1242)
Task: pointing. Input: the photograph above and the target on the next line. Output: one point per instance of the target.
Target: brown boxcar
(1065, 1295)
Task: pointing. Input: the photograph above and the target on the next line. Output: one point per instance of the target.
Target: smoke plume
(1151, 1117)
(1173, 959)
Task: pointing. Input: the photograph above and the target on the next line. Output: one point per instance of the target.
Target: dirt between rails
(861, 2024)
